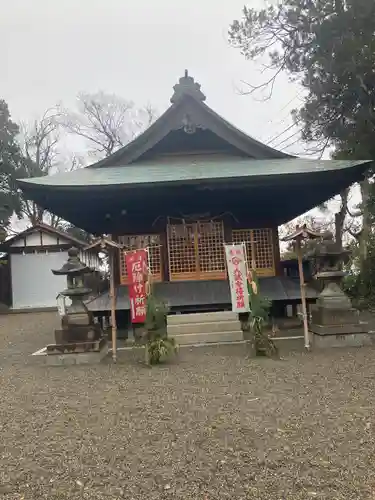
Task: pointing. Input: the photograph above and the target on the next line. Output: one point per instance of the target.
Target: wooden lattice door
(196, 251)
(259, 248)
(211, 253)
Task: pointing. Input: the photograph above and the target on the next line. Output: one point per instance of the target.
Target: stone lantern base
(335, 323)
(77, 353)
(338, 328)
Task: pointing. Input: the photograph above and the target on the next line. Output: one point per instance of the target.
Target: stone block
(324, 316)
(77, 358)
(207, 327)
(78, 334)
(183, 319)
(207, 338)
(76, 347)
(347, 329)
(351, 340)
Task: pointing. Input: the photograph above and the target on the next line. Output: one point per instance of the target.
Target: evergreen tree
(12, 166)
(328, 46)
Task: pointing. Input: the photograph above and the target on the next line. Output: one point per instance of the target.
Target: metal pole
(303, 294)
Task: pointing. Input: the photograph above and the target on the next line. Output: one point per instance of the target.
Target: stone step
(207, 338)
(207, 327)
(178, 319)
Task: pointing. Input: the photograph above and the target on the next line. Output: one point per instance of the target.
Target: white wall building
(33, 254)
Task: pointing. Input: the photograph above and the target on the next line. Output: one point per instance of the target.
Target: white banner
(237, 270)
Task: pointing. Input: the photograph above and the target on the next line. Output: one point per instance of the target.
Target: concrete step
(207, 338)
(178, 319)
(207, 327)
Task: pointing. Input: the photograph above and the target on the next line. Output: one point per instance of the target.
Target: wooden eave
(249, 174)
(302, 233)
(97, 208)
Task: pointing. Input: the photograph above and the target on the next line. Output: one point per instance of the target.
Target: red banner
(137, 270)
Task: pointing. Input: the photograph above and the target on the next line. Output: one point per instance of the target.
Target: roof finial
(187, 86)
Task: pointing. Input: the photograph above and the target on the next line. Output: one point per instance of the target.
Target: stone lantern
(334, 322)
(78, 333)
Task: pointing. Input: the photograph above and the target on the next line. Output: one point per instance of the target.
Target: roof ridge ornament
(187, 86)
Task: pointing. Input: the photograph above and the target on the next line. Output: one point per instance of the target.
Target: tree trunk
(340, 217)
(366, 224)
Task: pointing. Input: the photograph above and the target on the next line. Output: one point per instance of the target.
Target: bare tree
(346, 224)
(319, 224)
(40, 141)
(41, 145)
(106, 121)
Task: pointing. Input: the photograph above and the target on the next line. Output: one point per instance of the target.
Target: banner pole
(303, 294)
(113, 303)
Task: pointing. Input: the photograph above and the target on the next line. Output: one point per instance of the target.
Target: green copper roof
(184, 172)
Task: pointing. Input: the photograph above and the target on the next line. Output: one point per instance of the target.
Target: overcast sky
(50, 50)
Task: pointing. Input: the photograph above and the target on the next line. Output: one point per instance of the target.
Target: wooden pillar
(112, 294)
(276, 252)
(116, 262)
(303, 295)
(164, 253)
(228, 228)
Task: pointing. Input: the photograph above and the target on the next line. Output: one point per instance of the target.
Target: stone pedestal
(76, 353)
(78, 334)
(334, 323)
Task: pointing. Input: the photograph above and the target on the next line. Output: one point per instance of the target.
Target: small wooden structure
(299, 235)
(111, 248)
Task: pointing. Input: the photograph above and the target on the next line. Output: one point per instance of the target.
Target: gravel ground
(210, 426)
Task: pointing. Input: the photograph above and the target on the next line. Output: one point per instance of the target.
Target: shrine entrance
(196, 251)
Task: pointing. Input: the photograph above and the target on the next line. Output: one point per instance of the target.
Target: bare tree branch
(106, 121)
(268, 84)
(39, 142)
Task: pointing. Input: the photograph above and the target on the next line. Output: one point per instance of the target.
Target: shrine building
(188, 184)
